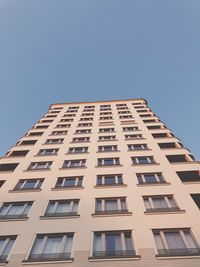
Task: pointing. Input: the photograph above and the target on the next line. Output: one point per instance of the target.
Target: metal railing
(179, 252)
(114, 253)
(49, 256)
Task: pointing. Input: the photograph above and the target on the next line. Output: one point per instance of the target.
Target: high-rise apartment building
(99, 184)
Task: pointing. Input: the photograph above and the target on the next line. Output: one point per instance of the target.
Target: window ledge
(72, 153)
(110, 140)
(59, 217)
(108, 151)
(79, 142)
(13, 219)
(67, 188)
(185, 162)
(152, 184)
(2, 263)
(24, 190)
(191, 182)
(146, 164)
(46, 144)
(46, 155)
(135, 139)
(164, 212)
(159, 257)
(69, 168)
(110, 186)
(139, 150)
(37, 170)
(103, 166)
(27, 262)
(135, 257)
(112, 214)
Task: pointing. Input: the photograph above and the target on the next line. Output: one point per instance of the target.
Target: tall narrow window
(113, 244)
(52, 247)
(6, 243)
(175, 242)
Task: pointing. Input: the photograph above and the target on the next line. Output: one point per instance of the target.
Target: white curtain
(113, 242)
(111, 205)
(8, 247)
(37, 247)
(97, 243)
(16, 209)
(159, 203)
(158, 241)
(190, 240)
(68, 244)
(63, 207)
(174, 240)
(53, 245)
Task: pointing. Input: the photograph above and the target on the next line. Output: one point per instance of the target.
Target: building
(99, 184)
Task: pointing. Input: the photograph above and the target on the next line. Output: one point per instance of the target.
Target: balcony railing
(167, 209)
(114, 253)
(50, 256)
(179, 252)
(102, 212)
(3, 258)
(60, 214)
(13, 216)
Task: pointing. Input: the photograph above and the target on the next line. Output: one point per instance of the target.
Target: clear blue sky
(80, 50)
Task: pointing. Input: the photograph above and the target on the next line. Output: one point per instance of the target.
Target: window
(84, 131)
(67, 120)
(107, 138)
(179, 158)
(41, 126)
(162, 135)
(107, 161)
(86, 119)
(34, 134)
(80, 139)
(169, 145)
(63, 125)
(26, 142)
(105, 109)
(130, 129)
(14, 210)
(69, 182)
(133, 136)
(52, 247)
(29, 184)
(44, 165)
(48, 152)
(1, 183)
(105, 113)
(73, 150)
(62, 208)
(18, 153)
(137, 147)
(155, 127)
(126, 117)
(84, 124)
(151, 121)
(189, 176)
(113, 244)
(175, 242)
(68, 116)
(136, 105)
(109, 180)
(6, 244)
(71, 111)
(146, 115)
(106, 118)
(45, 121)
(105, 106)
(54, 111)
(107, 148)
(150, 178)
(110, 205)
(121, 105)
(142, 110)
(89, 110)
(106, 130)
(87, 114)
(106, 123)
(143, 160)
(74, 163)
(8, 167)
(89, 107)
(58, 108)
(59, 133)
(75, 107)
(124, 112)
(51, 116)
(160, 204)
(196, 198)
(122, 108)
(54, 141)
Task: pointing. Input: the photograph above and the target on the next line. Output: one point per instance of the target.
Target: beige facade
(106, 183)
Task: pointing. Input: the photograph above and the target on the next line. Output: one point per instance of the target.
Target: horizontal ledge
(145, 164)
(59, 217)
(164, 212)
(27, 262)
(171, 257)
(110, 186)
(93, 259)
(67, 188)
(13, 219)
(24, 190)
(72, 153)
(112, 214)
(108, 151)
(81, 167)
(100, 166)
(152, 184)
